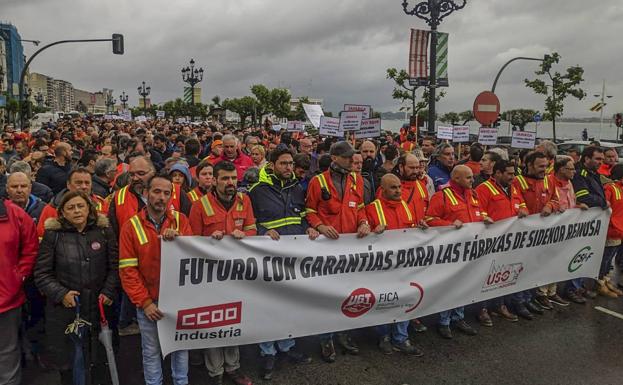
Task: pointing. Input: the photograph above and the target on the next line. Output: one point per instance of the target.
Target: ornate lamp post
(123, 98)
(110, 102)
(144, 92)
(192, 76)
(433, 12)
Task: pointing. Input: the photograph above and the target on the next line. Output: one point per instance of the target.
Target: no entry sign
(486, 108)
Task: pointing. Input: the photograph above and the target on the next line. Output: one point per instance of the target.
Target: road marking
(610, 312)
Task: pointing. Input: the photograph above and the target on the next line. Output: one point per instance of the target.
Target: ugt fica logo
(579, 258)
(358, 303)
(502, 276)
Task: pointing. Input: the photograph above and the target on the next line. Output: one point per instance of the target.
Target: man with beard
(279, 208)
(139, 269)
(370, 169)
(335, 206)
(54, 173)
(413, 181)
(224, 211)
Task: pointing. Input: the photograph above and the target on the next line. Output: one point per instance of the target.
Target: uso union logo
(358, 303)
(579, 258)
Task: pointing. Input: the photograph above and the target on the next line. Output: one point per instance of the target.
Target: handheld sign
(366, 109)
(460, 134)
(444, 132)
(523, 139)
(350, 121)
(295, 125)
(313, 112)
(488, 136)
(330, 127)
(276, 127)
(370, 128)
(160, 114)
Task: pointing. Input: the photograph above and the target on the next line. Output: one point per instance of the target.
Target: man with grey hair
(441, 165)
(232, 153)
(103, 175)
(39, 190)
(18, 190)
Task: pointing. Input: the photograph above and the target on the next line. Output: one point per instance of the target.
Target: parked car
(580, 145)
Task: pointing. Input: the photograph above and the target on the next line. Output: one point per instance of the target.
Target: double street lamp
(433, 12)
(123, 98)
(144, 93)
(192, 76)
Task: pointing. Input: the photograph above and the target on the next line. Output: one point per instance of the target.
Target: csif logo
(358, 303)
(579, 258)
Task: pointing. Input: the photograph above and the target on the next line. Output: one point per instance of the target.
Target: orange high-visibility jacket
(208, 215)
(496, 204)
(139, 254)
(346, 214)
(537, 193)
(614, 195)
(415, 194)
(447, 205)
(391, 214)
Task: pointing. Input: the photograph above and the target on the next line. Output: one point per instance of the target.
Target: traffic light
(117, 44)
(618, 120)
(497, 121)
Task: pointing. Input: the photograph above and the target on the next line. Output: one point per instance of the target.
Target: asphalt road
(573, 345)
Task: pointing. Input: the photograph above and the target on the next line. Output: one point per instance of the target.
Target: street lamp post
(602, 97)
(192, 76)
(433, 12)
(28, 103)
(123, 98)
(110, 102)
(144, 92)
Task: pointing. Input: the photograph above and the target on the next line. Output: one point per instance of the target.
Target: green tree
(405, 93)
(466, 116)
(245, 107)
(299, 112)
(274, 101)
(562, 85)
(450, 117)
(520, 117)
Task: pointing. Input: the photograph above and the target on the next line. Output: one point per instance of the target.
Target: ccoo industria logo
(502, 275)
(579, 258)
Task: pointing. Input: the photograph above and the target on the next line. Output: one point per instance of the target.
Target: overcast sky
(338, 50)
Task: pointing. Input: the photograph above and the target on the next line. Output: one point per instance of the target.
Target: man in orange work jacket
(390, 212)
(413, 182)
(219, 213)
(455, 205)
(79, 179)
(541, 197)
(500, 200)
(335, 206)
(139, 269)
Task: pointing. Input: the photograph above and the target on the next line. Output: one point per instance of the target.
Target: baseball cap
(216, 143)
(342, 148)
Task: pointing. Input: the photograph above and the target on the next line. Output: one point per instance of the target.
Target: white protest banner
(523, 139)
(180, 120)
(460, 134)
(488, 136)
(109, 116)
(160, 114)
(330, 127)
(370, 128)
(126, 115)
(141, 118)
(366, 109)
(237, 292)
(313, 112)
(350, 121)
(276, 127)
(295, 125)
(444, 132)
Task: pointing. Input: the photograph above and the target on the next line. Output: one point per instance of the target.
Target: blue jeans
(606, 261)
(521, 296)
(268, 348)
(127, 310)
(398, 330)
(454, 315)
(152, 360)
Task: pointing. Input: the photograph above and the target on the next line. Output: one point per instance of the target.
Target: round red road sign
(486, 108)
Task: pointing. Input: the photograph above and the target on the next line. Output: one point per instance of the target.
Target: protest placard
(366, 109)
(330, 126)
(350, 120)
(523, 139)
(370, 128)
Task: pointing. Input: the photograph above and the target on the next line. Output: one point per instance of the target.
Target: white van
(42, 118)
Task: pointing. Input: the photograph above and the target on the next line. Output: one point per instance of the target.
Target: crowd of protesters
(86, 202)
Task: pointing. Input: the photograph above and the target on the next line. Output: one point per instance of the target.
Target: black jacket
(100, 187)
(54, 175)
(42, 192)
(85, 261)
(588, 188)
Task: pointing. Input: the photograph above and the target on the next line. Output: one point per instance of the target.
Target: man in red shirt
(614, 195)
(232, 153)
(499, 200)
(453, 206)
(139, 269)
(390, 212)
